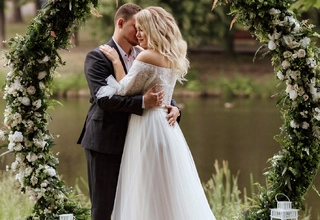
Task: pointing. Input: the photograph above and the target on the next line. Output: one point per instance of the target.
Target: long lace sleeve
(135, 82)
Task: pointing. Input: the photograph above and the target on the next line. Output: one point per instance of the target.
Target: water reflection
(242, 135)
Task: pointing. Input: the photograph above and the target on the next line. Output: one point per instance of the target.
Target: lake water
(241, 135)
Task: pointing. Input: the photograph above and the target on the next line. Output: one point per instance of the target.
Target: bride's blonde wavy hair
(165, 37)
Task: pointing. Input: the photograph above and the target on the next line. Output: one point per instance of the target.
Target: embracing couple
(139, 164)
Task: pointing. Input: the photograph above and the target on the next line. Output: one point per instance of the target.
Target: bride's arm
(113, 56)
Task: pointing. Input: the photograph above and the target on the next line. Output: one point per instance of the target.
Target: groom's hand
(152, 98)
(173, 114)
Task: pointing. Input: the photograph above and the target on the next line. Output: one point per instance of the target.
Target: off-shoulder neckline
(162, 67)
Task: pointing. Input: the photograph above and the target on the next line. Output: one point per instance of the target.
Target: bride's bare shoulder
(153, 57)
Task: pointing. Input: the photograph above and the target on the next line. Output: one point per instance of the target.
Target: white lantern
(284, 210)
(66, 217)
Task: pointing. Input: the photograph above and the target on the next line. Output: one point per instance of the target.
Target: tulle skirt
(158, 178)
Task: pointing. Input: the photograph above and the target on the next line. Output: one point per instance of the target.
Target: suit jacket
(106, 123)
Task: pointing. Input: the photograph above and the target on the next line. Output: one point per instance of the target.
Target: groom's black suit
(104, 133)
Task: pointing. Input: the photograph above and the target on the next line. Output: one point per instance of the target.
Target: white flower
(18, 147)
(14, 165)
(28, 171)
(311, 62)
(292, 92)
(25, 101)
(305, 125)
(44, 60)
(285, 64)
(301, 53)
(2, 135)
(293, 124)
(280, 75)
(17, 118)
(39, 143)
(50, 171)
(34, 180)
(288, 40)
(44, 184)
(31, 157)
(31, 90)
(304, 114)
(41, 75)
(305, 42)
(294, 74)
(20, 177)
(11, 146)
(287, 54)
(317, 117)
(42, 85)
(37, 103)
(272, 45)
(16, 137)
(293, 21)
(274, 11)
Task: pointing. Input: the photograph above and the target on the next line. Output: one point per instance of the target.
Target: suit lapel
(111, 43)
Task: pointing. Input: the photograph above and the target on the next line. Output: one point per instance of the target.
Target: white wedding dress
(158, 178)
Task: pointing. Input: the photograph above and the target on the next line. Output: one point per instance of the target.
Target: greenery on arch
(295, 58)
(33, 58)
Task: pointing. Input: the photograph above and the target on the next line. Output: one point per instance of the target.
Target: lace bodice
(141, 77)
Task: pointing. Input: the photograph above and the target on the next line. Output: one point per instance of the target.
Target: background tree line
(199, 25)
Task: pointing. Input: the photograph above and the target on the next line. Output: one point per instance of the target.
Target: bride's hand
(110, 53)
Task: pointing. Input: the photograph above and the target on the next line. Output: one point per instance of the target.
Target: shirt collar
(124, 54)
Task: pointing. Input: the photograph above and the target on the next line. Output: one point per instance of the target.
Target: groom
(105, 128)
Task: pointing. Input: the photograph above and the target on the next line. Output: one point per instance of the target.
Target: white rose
(290, 42)
(28, 171)
(42, 85)
(37, 103)
(294, 74)
(18, 147)
(287, 54)
(16, 137)
(25, 101)
(280, 75)
(272, 45)
(31, 157)
(17, 118)
(285, 64)
(301, 53)
(292, 92)
(50, 171)
(41, 75)
(31, 90)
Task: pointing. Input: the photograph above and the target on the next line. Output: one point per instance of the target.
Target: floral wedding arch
(33, 58)
(295, 58)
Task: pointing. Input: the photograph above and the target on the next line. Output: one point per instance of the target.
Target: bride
(158, 179)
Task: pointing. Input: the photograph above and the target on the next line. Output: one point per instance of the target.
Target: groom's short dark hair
(126, 12)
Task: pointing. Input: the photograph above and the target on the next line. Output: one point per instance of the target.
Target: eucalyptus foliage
(295, 58)
(32, 60)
